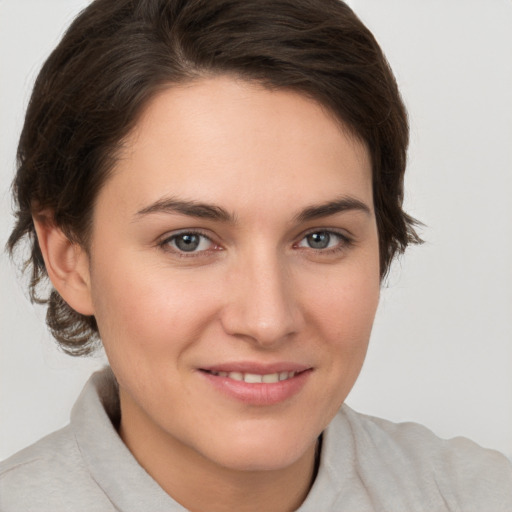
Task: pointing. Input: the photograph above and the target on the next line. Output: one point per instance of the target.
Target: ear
(67, 264)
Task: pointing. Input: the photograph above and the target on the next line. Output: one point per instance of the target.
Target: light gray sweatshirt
(367, 464)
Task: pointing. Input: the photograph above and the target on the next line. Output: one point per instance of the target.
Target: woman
(215, 191)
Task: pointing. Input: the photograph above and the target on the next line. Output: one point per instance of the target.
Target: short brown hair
(118, 53)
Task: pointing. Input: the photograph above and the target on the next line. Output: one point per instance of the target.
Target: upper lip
(256, 368)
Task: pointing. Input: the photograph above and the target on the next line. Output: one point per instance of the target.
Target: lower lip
(260, 393)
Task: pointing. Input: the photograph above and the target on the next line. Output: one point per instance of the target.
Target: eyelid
(343, 233)
(346, 240)
(164, 242)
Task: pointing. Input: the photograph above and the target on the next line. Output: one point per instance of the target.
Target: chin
(264, 453)
(255, 462)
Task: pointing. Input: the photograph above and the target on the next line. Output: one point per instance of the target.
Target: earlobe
(67, 264)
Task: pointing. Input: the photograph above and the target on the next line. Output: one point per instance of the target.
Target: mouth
(255, 378)
(256, 385)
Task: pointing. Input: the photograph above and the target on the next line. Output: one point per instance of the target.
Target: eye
(321, 240)
(188, 242)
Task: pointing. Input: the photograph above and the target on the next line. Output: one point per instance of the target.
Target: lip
(257, 368)
(258, 394)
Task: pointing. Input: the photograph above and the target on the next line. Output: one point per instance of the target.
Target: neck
(201, 485)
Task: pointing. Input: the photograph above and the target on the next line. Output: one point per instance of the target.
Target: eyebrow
(340, 205)
(217, 213)
(189, 208)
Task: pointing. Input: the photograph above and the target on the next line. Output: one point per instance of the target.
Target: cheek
(134, 304)
(146, 310)
(345, 302)
(342, 308)
(343, 311)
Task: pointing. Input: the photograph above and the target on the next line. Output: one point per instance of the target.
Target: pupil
(187, 243)
(319, 240)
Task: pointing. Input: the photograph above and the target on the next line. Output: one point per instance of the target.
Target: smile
(258, 386)
(254, 378)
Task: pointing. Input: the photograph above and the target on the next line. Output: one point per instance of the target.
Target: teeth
(254, 378)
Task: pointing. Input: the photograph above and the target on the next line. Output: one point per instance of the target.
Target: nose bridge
(263, 305)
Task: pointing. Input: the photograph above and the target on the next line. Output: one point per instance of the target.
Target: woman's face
(234, 272)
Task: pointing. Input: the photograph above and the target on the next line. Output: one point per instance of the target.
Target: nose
(263, 305)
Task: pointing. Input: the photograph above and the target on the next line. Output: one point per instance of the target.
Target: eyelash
(344, 241)
(343, 244)
(165, 244)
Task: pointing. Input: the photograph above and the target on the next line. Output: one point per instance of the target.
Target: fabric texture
(367, 465)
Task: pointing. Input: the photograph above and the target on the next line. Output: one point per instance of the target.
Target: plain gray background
(441, 350)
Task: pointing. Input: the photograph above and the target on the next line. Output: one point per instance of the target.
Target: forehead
(226, 140)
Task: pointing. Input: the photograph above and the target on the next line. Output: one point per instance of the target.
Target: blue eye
(322, 240)
(189, 242)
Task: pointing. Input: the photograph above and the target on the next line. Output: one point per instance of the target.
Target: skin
(253, 291)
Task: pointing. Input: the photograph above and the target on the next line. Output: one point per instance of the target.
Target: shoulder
(48, 453)
(34, 478)
(416, 442)
(463, 473)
